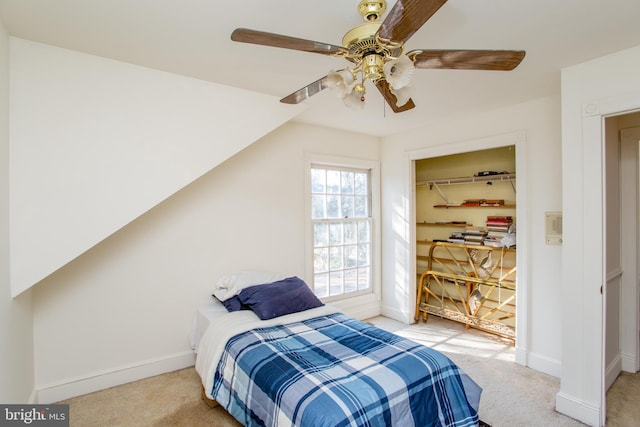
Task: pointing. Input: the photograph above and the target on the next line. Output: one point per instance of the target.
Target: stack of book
(472, 202)
(483, 202)
(456, 238)
(498, 227)
(474, 235)
(492, 202)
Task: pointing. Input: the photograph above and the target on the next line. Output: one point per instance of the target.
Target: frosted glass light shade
(354, 100)
(340, 82)
(402, 95)
(398, 72)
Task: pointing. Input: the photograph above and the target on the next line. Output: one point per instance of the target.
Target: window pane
(320, 260)
(321, 284)
(333, 206)
(335, 283)
(350, 256)
(335, 258)
(361, 208)
(347, 207)
(361, 187)
(363, 255)
(363, 231)
(348, 182)
(321, 234)
(350, 232)
(318, 178)
(335, 234)
(350, 280)
(333, 182)
(318, 208)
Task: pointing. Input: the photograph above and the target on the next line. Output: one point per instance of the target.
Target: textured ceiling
(191, 37)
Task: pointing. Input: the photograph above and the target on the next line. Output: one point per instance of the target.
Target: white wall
(540, 121)
(95, 143)
(123, 309)
(16, 327)
(590, 92)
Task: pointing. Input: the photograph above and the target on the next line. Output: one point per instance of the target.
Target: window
(341, 221)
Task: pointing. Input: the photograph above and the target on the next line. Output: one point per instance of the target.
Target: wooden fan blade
(245, 35)
(406, 17)
(385, 90)
(494, 60)
(306, 92)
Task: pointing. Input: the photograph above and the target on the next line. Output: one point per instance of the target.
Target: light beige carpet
(622, 401)
(171, 399)
(513, 395)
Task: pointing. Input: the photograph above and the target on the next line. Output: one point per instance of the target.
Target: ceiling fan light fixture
(398, 72)
(402, 95)
(354, 100)
(340, 82)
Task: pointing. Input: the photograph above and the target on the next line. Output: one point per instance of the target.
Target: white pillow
(230, 285)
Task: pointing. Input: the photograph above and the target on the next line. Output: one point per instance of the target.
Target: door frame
(593, 257)
(517, 139)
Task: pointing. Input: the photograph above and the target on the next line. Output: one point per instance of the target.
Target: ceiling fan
(375, 49)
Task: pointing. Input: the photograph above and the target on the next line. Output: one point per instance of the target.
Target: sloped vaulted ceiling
(95, 143)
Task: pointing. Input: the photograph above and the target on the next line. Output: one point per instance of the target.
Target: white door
(629, 290)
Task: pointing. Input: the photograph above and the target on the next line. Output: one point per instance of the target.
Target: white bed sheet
(201, 320)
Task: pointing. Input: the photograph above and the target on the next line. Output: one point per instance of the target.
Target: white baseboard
(521, 356)
(613, 370)
(361, 307)
(544, 364)
(397, 314)
(576, 409)
(629, 362)
(113, 377)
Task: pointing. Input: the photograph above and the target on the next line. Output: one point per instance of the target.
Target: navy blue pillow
(233, 304)
(287, 296)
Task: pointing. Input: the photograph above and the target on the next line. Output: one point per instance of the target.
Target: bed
(316, 366)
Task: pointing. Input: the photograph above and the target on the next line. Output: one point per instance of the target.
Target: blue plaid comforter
(337, 371)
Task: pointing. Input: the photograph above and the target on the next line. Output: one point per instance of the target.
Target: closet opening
(466, 207)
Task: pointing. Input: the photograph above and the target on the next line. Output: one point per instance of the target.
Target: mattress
(201, 321)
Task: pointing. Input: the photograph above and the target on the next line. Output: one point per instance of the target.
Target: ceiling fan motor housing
(372, 10)
(362, 41)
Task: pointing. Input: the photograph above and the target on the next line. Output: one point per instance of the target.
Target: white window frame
(348, 163)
